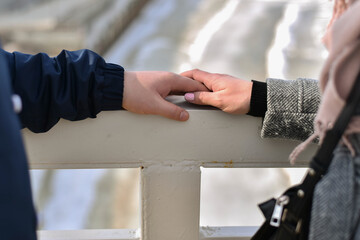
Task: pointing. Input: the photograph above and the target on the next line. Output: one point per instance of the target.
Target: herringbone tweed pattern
(336, 201)
(332, 202)
(291, 108)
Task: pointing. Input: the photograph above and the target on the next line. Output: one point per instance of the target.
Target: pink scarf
(338, 73)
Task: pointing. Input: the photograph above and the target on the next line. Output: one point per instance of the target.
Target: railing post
(170, 201)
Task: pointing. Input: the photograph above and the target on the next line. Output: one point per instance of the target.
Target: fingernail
(189, 97)
(184, 116)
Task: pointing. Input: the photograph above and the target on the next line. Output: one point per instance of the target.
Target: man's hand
(144, 93)
(230, 94)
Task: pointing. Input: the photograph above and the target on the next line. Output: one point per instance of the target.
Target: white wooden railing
(169, 155)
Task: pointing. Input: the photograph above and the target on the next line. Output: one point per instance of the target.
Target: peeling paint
(229, 164)
(207, 231)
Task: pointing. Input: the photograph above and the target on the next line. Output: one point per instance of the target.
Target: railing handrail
(121, 139)
(170, 155)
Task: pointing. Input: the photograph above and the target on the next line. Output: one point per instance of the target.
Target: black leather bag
(288, 217)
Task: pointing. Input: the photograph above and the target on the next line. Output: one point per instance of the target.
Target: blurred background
(250, 39)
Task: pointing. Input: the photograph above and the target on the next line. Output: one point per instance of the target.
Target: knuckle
(196, 72)
(201, 97)
(222, 75)
(168, 74)
(220, 102)
(217, 76)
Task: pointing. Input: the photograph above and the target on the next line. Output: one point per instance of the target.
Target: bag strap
(322, 159)
(319, 166)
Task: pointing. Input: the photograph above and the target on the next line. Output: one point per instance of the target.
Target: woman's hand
(230, 94)
(144, 93)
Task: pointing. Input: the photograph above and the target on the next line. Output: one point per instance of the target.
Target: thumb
(171, 111)
(202, 98)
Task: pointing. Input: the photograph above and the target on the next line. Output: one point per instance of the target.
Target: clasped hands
(145, 92)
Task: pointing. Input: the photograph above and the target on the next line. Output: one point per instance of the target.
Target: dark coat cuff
(113, 87)
(258, 101)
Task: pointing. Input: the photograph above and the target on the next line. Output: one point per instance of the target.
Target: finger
(203, 98)
(180, 84)
(201, 76)
(171, 111)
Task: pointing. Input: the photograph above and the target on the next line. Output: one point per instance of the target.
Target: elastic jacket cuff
(258, 101)
(113, 88)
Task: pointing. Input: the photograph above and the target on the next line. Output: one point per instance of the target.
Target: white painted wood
(170, 154)
(227, 233)
(209, 138)
(170, 202)
(99, 234)
(206, 233)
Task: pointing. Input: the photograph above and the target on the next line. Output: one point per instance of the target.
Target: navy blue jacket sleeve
(74, 86)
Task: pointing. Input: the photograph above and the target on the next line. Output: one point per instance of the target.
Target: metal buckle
(278, 210)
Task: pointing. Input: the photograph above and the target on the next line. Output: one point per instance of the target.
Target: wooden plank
(210, 138)
(227, 233)
(206, 233)
(94, 234)
(170, 202)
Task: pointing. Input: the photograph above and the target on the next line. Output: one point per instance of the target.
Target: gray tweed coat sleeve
(291, 108)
